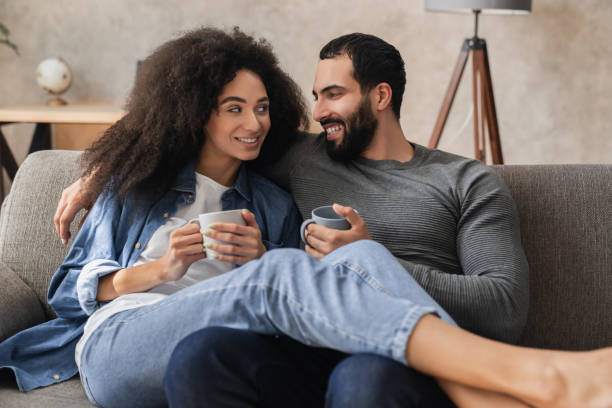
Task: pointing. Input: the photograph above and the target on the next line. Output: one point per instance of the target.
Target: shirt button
(166, 215)
(56, 377)
(138, 245)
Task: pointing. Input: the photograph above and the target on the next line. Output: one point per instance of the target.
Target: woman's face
(238, 126)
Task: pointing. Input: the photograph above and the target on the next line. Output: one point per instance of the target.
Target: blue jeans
(228, 368)
(357, 299)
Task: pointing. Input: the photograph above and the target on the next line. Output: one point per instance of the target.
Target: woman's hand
(74, 198)
(185, 248)
(244, 242)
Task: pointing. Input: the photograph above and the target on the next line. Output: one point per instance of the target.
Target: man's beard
(359, 131)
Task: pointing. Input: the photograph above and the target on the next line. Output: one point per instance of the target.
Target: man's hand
(323, 240)
(244, 242)
(74, 197)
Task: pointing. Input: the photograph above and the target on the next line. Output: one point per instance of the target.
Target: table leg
(7, 160)
(41, 140)
(1, 172)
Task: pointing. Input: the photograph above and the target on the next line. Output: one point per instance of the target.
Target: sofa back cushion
(566, 229)
(28, 242)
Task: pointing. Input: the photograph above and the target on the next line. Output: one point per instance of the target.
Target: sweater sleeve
(491, 297)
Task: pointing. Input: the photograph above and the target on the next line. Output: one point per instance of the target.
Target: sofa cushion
(67, 394)
(28, 243)
(19, 306)
(566, 229)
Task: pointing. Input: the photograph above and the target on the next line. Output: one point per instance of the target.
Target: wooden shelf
(76, 113)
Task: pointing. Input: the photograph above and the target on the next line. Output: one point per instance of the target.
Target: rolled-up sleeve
(95, 241)
(87, 282)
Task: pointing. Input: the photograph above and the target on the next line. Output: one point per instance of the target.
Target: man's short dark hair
(374, 61)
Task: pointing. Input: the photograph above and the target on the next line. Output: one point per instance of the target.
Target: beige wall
(550, 68)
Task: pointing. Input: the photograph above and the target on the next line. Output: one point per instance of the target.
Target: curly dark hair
(175, 91)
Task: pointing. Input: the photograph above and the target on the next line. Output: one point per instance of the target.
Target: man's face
(343, 111)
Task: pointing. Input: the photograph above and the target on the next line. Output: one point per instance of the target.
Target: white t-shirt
(207, 199)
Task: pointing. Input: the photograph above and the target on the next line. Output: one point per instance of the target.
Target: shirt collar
(186, 182)
(242, 185)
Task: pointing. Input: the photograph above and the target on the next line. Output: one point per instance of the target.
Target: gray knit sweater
(449, 220)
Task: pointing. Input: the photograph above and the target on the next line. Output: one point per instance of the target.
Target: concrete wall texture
(551, 68)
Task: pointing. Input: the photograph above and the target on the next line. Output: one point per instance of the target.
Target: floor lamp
(482, 85)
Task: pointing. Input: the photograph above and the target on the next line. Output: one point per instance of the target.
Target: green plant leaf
(10, 44)
(5, 32)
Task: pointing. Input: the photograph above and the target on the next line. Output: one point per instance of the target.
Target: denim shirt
(44, 354)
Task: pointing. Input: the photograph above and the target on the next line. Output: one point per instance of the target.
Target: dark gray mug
(327, 217)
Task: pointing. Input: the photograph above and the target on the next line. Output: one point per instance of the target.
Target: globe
(54, 76)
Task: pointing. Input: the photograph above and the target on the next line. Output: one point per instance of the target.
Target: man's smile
(333, 130)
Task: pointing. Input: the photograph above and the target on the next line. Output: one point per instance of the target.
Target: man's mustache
(331, 120)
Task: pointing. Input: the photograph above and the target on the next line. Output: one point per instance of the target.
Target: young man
(448, 220)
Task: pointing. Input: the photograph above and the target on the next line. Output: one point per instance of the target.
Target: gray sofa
(566, 225)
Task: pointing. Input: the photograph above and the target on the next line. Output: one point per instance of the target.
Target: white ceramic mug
(226, 217)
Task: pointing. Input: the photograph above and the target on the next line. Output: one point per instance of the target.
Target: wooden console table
(44, 116)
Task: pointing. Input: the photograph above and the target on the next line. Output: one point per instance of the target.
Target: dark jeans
(220, 367)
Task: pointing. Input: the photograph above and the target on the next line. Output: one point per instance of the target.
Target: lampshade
(486, 6)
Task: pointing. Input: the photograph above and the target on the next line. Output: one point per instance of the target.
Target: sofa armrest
(19, 305)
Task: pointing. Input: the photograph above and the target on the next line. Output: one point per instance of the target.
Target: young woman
(206, 109)
(202, 105)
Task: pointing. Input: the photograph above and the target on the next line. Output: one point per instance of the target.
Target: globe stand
(57, 101)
